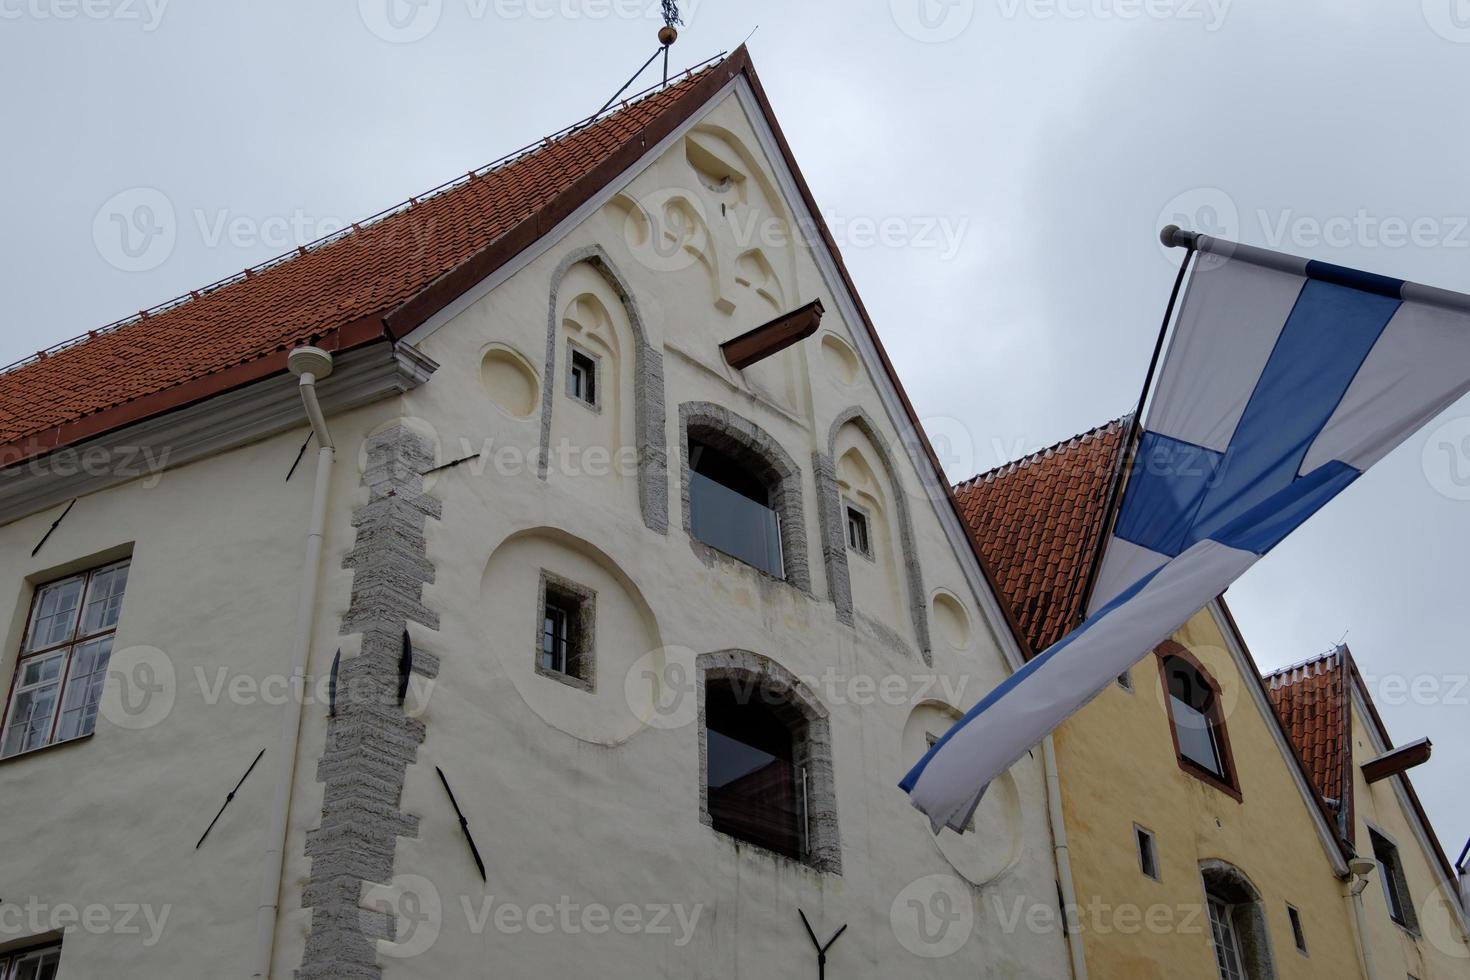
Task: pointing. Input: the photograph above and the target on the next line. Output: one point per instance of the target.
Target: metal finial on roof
(668, 34)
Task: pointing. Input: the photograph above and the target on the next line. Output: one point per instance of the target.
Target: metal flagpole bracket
(1175, 237)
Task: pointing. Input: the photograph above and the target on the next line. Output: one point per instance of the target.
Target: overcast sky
(1022, 152)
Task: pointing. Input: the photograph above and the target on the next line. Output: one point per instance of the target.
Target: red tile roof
(363, 274)
(1037, 521)
(1311, 699)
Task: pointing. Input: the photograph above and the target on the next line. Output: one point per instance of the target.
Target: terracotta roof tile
(1036, 521)
(365, 272)
(1311, 699)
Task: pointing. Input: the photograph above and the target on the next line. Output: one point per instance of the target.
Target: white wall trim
(1251, 681)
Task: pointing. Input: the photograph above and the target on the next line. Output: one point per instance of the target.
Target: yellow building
(1200, 844)
(1411, 916)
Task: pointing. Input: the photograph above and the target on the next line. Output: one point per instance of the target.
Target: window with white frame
(33, 964)
(1395, 884)
(1228, 955)
(858, 538)
(59, 675)
(1148, 853)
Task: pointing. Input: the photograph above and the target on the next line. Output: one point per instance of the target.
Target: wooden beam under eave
(772, 338)
(1399, 760)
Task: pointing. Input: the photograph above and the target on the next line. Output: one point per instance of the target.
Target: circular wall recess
(951, 621)
(841, 359)
(510, 381)
(991, 846)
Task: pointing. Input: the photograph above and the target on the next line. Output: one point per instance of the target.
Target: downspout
(1353, 895)
(1064, 862)
(309, 364)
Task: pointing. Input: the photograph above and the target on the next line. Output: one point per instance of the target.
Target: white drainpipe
(1353, 893)
(309, 364)
(1064, 862)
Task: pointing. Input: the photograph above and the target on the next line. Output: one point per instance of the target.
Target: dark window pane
(735, 524)
(754, 788)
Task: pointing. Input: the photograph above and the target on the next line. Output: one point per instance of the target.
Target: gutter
(309, 364)
(1061, 853)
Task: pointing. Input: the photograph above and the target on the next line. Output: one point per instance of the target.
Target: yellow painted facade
(1119, 771)
(1434, 948)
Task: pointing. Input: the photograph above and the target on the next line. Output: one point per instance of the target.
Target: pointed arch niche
(884, 582)
(594, 319)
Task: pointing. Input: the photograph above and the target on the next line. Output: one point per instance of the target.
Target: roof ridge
(1005, 469)
(1330, 660)
(371, 220)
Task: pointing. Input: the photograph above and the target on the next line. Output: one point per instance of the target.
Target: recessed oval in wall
(992, 844)
(840, 359)
(951, 621)
(510, 381)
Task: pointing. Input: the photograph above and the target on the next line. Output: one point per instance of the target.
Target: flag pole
(1172, 236)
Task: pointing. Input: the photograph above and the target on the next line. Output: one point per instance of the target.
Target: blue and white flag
(1283, 381)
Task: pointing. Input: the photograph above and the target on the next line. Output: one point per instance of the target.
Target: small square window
(857, 532)
(582, 377)
(1297, 935)
(1125, 681)
(564, 627)
(1148, 855)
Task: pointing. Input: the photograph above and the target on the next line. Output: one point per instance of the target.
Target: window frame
(1145, 839)
(1228, 781)
(593, 399)
(1395, 882)
(67, 649)
(1298, 930)
(851, 510)
(11, 959)
(1221, 916)
(578, 603)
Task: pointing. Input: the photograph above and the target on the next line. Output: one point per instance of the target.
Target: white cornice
(220, 423)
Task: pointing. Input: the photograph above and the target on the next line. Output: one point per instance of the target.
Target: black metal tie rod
(228, 797)
(821, 950)
(464, 825)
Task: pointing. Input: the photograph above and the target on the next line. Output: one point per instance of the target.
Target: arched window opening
(1197, 719)
(1237, 919)
(731, 508)
(755, 786)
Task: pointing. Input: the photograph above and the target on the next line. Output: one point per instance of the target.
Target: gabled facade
(1411, 913)
(1199, 843)
(612, 653)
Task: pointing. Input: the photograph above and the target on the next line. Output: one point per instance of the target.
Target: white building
(675, 629)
